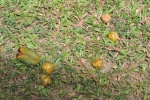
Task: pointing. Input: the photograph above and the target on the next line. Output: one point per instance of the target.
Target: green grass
(58, 29)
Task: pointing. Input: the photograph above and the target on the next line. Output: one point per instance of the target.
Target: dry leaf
(113, 48)
(107, 67)
(114, 67)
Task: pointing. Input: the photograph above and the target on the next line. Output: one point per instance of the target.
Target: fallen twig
(94, 78)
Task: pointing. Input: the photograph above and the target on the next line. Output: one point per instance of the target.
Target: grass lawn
(70, 34)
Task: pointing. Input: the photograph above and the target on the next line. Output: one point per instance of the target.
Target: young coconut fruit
(46, 80)
(28, 56)
(106, 18)
(113, 36)
(98, 63)
(48, 68)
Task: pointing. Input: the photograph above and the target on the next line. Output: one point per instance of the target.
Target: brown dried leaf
(138, 11)
(113, 48)
(114, 67)
(81, 22)
(107, 67)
